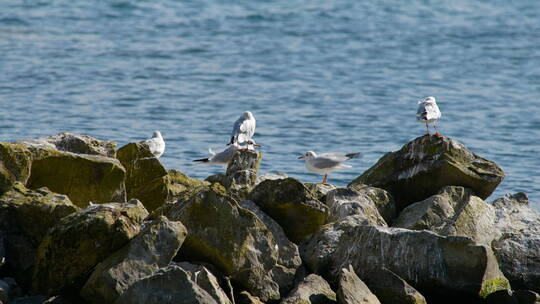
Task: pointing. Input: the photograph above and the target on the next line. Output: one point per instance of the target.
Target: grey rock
(71, 248)
(320, 190)
(25, 217)
(245, 297)
(344, 202)
(74, 143)
(352, 290)
(312, 290)
(527, 297)
(153, 248)
(231, 238)
(501, 297)
(428, 163)
(289, 258)
(270, 176)
(381, 198)
(453, 211)
(292, 205)
(435, 265)
(391, 289)
(206, 280)
(518, 247)
(4, 291)
(169, 285)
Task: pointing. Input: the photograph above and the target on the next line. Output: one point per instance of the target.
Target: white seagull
(224, 157)
(327, 162)
(156, 144)
(427, 112)
(243, 129)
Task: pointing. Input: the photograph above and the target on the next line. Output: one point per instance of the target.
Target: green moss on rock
(15, 163)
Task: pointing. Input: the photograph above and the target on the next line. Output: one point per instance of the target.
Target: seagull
(243, 128)
(156, 144)
(327, 162)
(224, 157)
(427, 112)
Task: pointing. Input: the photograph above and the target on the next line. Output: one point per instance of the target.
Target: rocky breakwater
(414, 228)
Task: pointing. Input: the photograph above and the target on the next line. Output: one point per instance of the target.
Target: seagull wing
(324, 162)
(246, 130)
(421, 112)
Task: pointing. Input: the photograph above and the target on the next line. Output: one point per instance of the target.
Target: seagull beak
(301, 157)
(256, 145)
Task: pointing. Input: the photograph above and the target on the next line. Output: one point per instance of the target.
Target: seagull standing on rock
(224, 157)
(156, 144)
(327, 162)
(427, 112)
(243, 129)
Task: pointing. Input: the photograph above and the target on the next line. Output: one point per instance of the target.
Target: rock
(344, 202)
(320, 190)
(454, 211)
(391, 289)
(501, 297)
(245, 298)
(181, 187)
(74, 143)
(15, 163)
(428, 163)
(527, 297)
(206, 280)
(39, 299)
(169, 285)
(352, 290)
(153, 248)
(4, 291)
(518, 247)
(292, 205)
(25, 217)
(70, 250)
(241, 173)
(83, 177)
(289, 258)
(312, 290)
(381, 198)
(231, 238)
(435, 265)
(271, 176)
(147, 180)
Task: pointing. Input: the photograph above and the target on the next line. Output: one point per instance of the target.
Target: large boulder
(230, 237)
(147, 180)
(381, 198)
(169, 285)
(292, 205)
(152, 249)
(320, 190)
(433, 264)
(25, 217)
(313, 289)
(392, 289)
(428, 163)
(84, 178)
(72, 248)
(518, 246)
(352, 290)
(453, 211)
(15, 163)
(344, 202)
(288, 256)
(74, 143)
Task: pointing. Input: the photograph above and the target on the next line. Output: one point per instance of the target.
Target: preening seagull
(327, 162)
(156, 144)
(243, 129)
(224, 157)
(427, 112)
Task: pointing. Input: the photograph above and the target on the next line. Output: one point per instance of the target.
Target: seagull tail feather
(354, 155)
(202, 160)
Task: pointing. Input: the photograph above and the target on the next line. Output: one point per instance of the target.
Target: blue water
(339, 76)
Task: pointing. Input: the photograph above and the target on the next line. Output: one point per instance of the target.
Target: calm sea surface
(342, 76)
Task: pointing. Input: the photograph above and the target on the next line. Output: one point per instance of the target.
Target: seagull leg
(427, 129)
(324, 179)
(436, 131)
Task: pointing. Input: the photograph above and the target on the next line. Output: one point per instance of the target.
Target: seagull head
(247, 115)
(156, 134)
(429, 99)
(308, 155)
(252, 142)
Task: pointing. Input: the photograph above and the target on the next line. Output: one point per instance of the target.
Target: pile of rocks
(82, 222)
